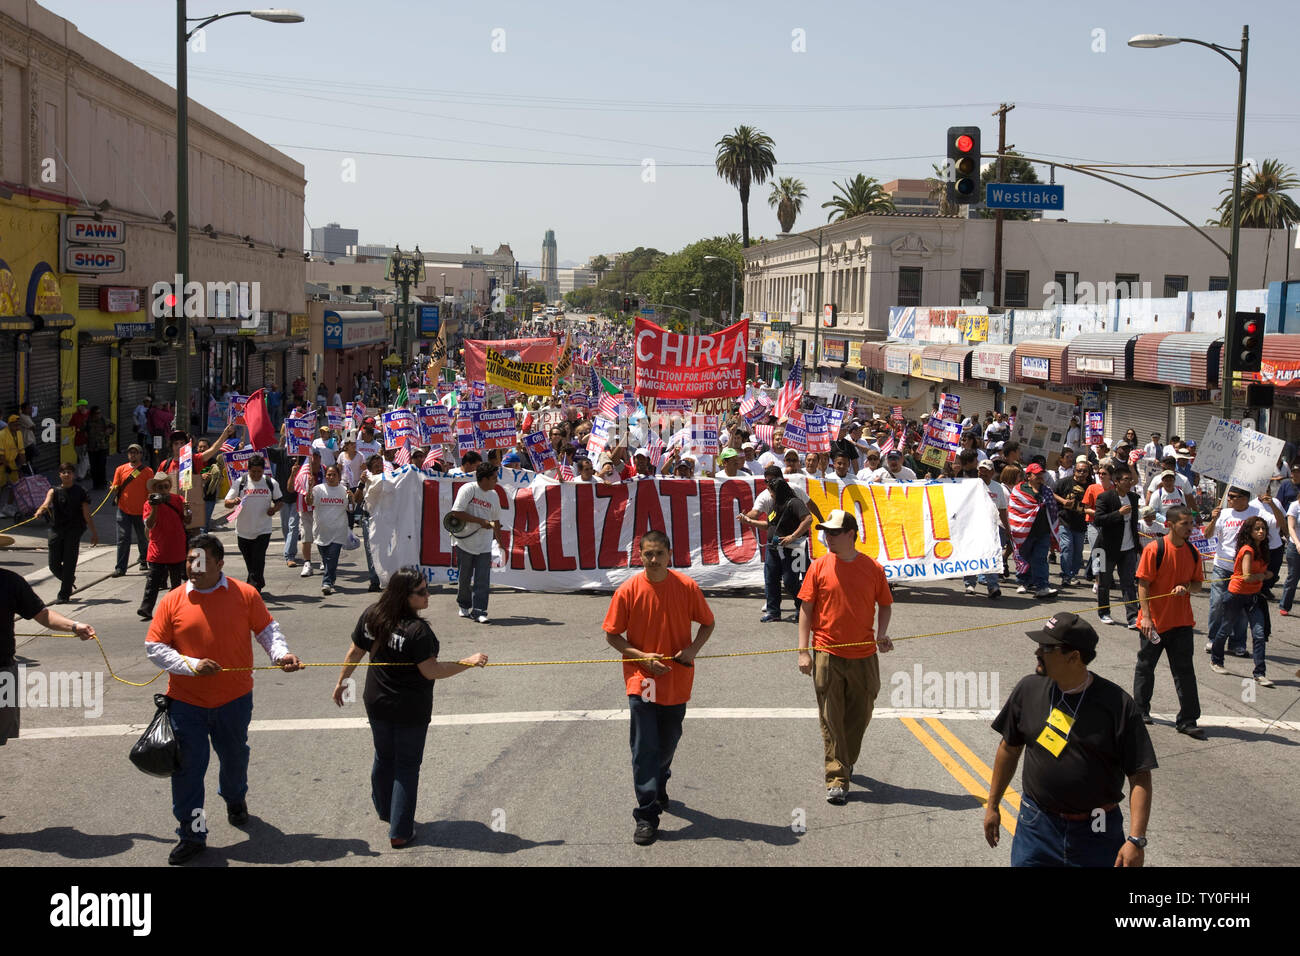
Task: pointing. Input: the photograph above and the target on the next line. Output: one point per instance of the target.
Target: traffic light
(1259, 396)
(636, 304)
(1246, 340)
(963, 172)
(627, 305)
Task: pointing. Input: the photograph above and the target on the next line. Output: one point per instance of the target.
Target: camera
(156, 498)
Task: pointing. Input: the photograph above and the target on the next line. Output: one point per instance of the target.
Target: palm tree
(599, 265)
(938, 191)
(744, 157)
(1264, 203)
(787, 199)
(858, 196)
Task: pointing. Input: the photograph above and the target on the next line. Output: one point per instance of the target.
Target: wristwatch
(1139, 842)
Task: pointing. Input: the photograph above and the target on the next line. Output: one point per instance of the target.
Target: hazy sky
(557, 130)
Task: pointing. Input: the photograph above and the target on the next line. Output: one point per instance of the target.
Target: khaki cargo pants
(846, 696)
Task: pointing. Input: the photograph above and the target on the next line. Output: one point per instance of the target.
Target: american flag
(887, 447)
(435, 455)
(764, 433)
(1022, 510)
(791, 392)
(595, 383)
(566, 473)
(609, 405)
(654, 450)
(748, 406)
(229, 446)
(403, 456)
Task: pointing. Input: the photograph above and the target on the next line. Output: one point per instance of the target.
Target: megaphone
(456, 527)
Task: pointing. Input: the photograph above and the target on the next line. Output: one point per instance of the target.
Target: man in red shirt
(165, 517)
(840, 593)
(655, 608)
(200, 635)
(1169, 567)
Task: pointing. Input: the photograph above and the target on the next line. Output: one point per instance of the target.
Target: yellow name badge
(1051, 741)
(1060, 720)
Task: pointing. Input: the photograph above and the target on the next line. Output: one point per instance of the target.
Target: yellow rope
(600, 660)
(33, 517)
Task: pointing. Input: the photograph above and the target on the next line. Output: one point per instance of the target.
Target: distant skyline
(477, 126)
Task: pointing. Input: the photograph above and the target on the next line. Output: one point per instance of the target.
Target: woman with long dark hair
(398, 694)
(787, 536)
(1249, 572)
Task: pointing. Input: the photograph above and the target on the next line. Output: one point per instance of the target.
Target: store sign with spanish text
(1035, 368)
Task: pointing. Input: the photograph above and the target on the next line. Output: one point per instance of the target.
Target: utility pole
(1001, 113)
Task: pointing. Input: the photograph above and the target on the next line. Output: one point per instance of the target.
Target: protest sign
(334, 416)
(496, 427)
(1094, 425)
(1040, 427)
(1238, 456)
(601, 429)
(531, 378)
(671, 365)
(949, 407)
(467, 438)
(237, 463)
(399, 428)
(563, 536)
(817, 430)
(186, 477)
(298, 433)
(519, 350)
(236, 408)
(434, 424)
(540, 451)
(834, 420)
(796, 433)
(704, 435)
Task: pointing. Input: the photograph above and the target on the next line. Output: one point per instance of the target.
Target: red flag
(261, 433)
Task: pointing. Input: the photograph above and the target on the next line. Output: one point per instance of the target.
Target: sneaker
(1133, 627)
(326, 590)
(237, 813)
(1022, 589)
(463, 611)
(185, 851)
(1263, 681)
(646, 833)
(1094, 587)
(401, 844)
(1283, 613)
(482, 618)
(290, 564)
(1241, 653)
(970, 589)
(1219, 668)
(1191, 730)
(836, 796)
(1209, 646)
(117, 574)
(1105, 619)
(995, 594)
(1045, 593)
(768, 617)
(306, 570)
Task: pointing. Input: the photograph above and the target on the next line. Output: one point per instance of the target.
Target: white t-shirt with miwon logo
(330, 508)
(256, 498)
(473, 500)
(1227, 529)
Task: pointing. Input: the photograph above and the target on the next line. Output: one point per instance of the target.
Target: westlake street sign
(1023, 196)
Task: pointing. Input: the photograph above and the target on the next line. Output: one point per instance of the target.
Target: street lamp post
(1152, 40)
(183, 35)
(732, 317)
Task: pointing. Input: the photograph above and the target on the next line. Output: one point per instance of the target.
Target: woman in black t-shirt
(67, 508)
(398, 695)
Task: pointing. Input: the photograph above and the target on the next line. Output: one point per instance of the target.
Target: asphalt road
(531, 766)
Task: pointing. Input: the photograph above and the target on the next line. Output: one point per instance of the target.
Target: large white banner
(1238, 456)
(567, 536)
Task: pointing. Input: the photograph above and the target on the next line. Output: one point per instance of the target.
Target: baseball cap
(367, 421)
(1033, 469)
(511, 459)
(82, 401)
(839, 520)
(987, 463)
(1171, 474)
(728, 453)
(1148, 512)
(12, 420)
(1068, 630)
(895, 453)
(749, 444)
(131, 447)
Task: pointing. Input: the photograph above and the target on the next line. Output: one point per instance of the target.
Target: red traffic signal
(962, 172)
(1245, 344)
(964, 143)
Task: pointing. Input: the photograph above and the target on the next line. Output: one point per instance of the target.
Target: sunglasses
(832, 533)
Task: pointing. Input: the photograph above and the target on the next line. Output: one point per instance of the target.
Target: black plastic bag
(156, 752)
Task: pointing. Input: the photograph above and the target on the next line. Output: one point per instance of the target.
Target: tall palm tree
(744, 157)
(938, 191)
(1264, 203)
(787, 198)
(859, 195)
(599, 265)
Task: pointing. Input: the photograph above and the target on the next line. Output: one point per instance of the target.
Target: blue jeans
(227, 726)
(475, 576)
(778, 570)
(990, 580)
(126, 524)
(1238, 611)
(1034, 553)
(1092, 533)
(289, 528)
(656, 731)
(329, 555)
(1292, 576)
(1071, 552)
(1125, 564)
(1044, 839)
(208, 505)
(395, 776)
(1218, 618)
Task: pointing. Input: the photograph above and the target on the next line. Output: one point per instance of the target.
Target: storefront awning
(1179, 358)
(57, 320)
(1044, 362)
(1101, 355)
(993, 363)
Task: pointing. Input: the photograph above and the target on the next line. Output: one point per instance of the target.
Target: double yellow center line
(959, 773)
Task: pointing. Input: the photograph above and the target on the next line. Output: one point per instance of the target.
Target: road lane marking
(979, 766)
(957, 771)
(619, 715)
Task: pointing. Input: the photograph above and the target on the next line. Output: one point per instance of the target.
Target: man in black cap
(1085, 735)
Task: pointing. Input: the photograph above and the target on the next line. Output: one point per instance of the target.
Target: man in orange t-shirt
(1165, 623)
(840, 593)
(655, 609)
(200, 636)
(130, 490)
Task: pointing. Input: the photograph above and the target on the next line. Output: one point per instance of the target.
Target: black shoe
(768, 617)
(646, 833)
(145, 615)
(374, 586)
(237, 813)
(117, 574)
(1191, 730)
(63, 598)
(1241, 653)
(185, 851)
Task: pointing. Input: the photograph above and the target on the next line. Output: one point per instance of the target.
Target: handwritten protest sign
(1238, 456)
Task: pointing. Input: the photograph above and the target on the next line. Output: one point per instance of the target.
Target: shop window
(1016, 289)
